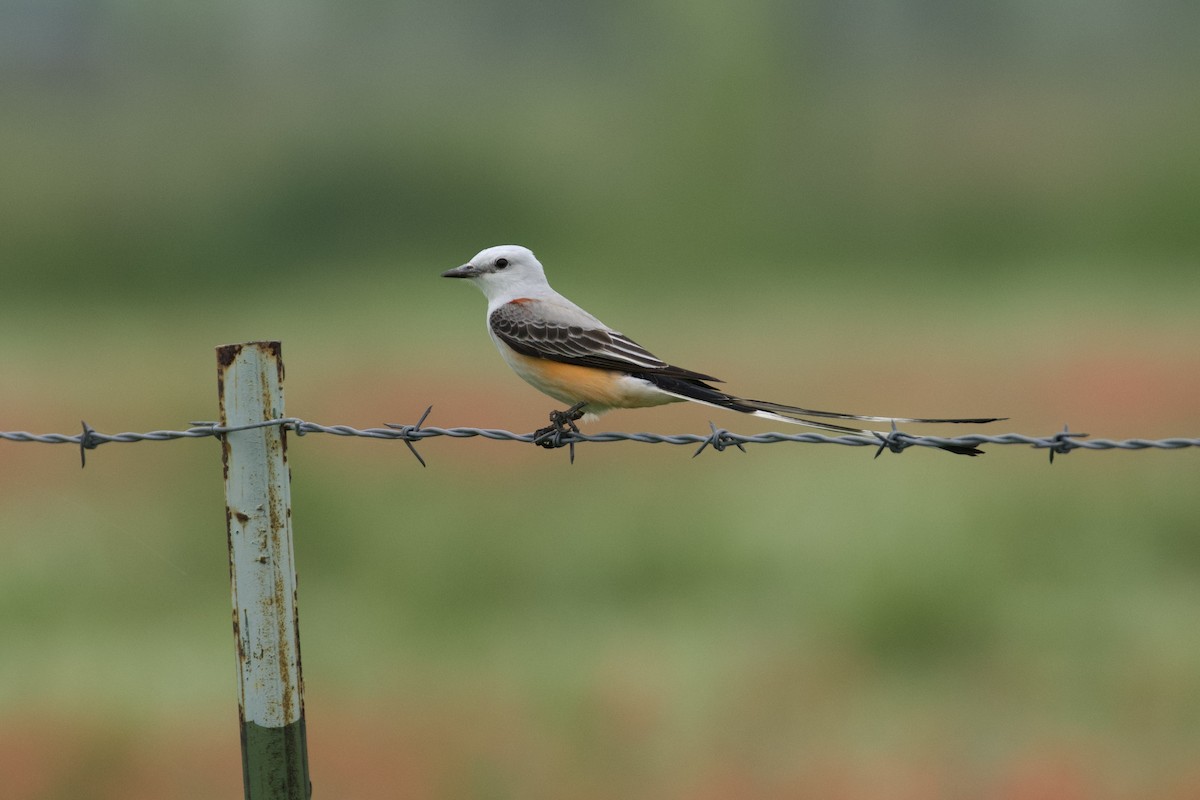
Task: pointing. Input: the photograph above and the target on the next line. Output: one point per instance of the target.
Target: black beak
(465, 271)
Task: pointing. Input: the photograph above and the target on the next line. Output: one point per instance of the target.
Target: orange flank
(601, 389)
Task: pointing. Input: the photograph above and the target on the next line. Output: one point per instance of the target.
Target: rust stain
(225, 357)
(229, 546)
(243, 517)
(274, 505)
(296, 631)
(275, 349)
(265, 395)
(227, 354)
(237, 635)
(277, 512)
(281, 622)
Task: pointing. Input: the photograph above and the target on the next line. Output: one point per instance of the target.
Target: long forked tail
(700, 392)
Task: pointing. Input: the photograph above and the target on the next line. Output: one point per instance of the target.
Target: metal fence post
(258, 513)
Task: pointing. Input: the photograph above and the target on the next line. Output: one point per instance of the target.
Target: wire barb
(719, 440)
(408, 433)
(895, 440)
(88, 440)
(562, 430)
(1062, 443)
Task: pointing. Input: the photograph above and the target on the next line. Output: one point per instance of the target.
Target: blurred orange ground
(459, 754)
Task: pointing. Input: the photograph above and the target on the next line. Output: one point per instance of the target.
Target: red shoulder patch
(520, 301)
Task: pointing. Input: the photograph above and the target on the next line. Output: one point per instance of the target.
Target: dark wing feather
(520, 329)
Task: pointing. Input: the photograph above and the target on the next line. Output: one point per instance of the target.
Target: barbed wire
(718, 439)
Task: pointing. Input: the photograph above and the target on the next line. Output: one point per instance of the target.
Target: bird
(570, 355)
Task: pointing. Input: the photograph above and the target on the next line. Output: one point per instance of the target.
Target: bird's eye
(501, 263)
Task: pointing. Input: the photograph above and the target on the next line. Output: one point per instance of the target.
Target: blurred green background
(911, 207)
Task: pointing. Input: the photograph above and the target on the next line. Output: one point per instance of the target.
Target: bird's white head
(504, 272)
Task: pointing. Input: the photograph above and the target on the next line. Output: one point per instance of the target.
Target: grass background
(910, 208)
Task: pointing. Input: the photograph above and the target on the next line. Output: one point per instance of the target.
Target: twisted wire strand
(719, 439)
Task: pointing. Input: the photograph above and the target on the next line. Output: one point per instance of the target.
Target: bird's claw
(561, 423)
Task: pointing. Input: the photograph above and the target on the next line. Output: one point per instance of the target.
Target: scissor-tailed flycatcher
(565, 352)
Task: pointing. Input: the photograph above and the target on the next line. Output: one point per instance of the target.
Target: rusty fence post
(258, 513)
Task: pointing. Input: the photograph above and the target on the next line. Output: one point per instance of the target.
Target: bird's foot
(561, 423)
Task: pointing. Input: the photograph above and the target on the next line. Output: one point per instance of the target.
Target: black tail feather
(703, 393)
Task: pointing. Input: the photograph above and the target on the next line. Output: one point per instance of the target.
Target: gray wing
(521, 329)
